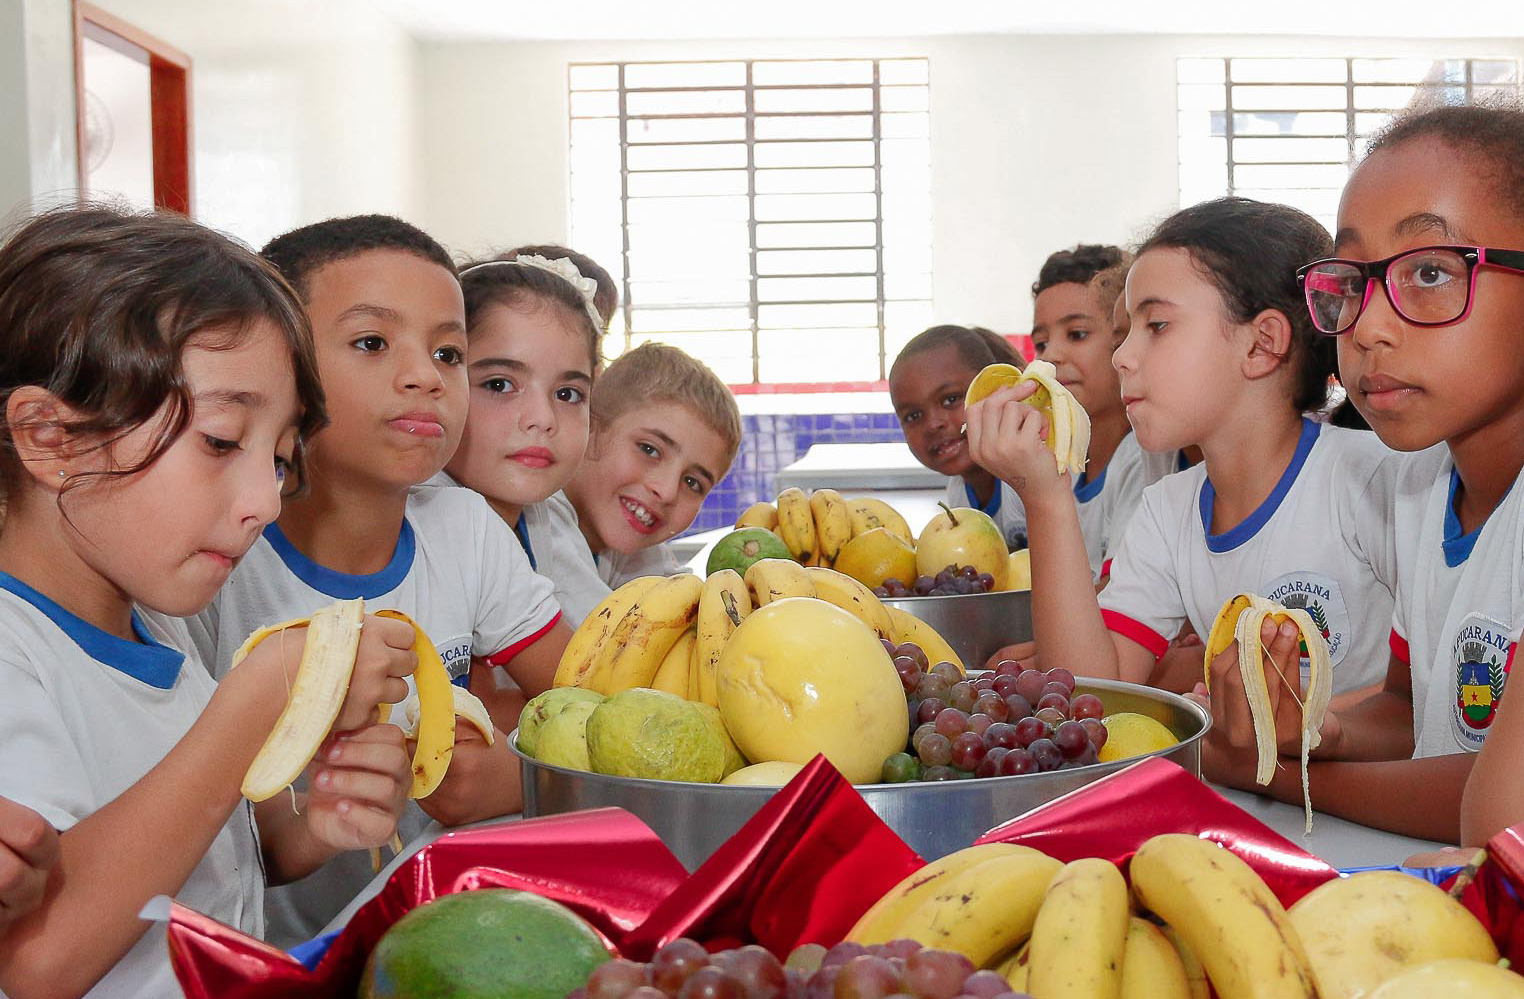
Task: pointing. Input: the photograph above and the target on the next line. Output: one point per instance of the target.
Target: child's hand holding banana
(1281, 661)
(359, 785)
(1008, 439)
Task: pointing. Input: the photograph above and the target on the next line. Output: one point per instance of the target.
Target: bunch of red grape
(954, 579)
(683, 969)
(1013, 721)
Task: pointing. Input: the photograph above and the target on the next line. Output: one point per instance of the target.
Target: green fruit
(739, 549)
(733, 759)
(563, 739)
(655, 735)
(493, 942)
(545, 707)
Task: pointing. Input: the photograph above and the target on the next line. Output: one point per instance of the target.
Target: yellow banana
(833, 524)
(1361, 930)
(762, 514)
(436, 712)
(1068, 423)
(596, 629)
(317, 694)
(797, 525)
(853, 597)
(1452, 977)
(1151, 968)
(723, 605)
(1246, 630)
(983, 911)
(1195, 974)
(643, 637)
(1015, 968)
(467, 706)
(1081, 933)
(1226, 916)
(672, 675)
(881, 921)
(866, 513)
(771, 579)
(909, 628)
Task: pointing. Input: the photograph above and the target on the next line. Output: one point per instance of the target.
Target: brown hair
(1109, 284)
(97, 306)
(502, 281)
(656, 372)
(605, 299)
(977, 347)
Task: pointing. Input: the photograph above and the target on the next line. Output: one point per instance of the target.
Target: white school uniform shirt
(1106, 503)
(1004, 508)
(1155, 465)
(84, 717)
(1320, 541)
(617, 568)
(1459, 607)
(555, 545)
(456, 570)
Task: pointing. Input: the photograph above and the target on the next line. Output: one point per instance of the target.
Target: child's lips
(1383, 392)
(533, 457)
(417, 424)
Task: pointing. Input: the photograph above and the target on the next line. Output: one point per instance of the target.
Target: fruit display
(489, 942)
(1194, 914)
(743, 546)
(1240, 619)
(1068, 423)
(963, 536)
(1007, 723)
(955, 579)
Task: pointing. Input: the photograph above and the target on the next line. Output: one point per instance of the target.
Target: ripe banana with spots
(1015, 968)
(1151, 967)
(1195, 974)
(853, 597)
(317, 694)
(762, 514)
(982, 911)
(1068, 423)
(596, 629)
(771, 579)
(833, 524)
(1240, 619)
(1080, 933)
(642, 638)
(866, 513)
(468, 707)
(881, 922)
(909, 628)
(796, 523)
(723, 605)
(1225, 914)
(674, 673)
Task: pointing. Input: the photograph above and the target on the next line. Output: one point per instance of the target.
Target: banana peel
(1068, 423)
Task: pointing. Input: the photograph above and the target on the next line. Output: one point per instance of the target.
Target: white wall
(1037, 142)
(37, 166)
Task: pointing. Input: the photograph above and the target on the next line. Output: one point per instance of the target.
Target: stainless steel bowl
(976, 625)
(934, 818)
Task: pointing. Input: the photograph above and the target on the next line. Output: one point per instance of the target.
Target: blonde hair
(656, 372)
(1108, 284)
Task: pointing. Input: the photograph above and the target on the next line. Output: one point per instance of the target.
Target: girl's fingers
(360, 785)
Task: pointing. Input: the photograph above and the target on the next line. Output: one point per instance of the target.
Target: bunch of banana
(623, 643)
(1240, 619)
(317, 693)
(817, 525)
(1068, 423)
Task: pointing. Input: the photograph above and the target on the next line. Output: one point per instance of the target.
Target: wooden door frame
(169, 72)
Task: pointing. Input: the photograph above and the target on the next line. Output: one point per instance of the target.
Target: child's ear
(37, 423)
(1269, 344)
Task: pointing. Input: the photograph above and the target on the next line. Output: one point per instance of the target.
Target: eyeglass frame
(1376, 271)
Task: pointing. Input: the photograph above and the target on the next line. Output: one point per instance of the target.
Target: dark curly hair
(1250, 251)
(1077, 265)
(301, 251)
(1493, 130)
(976, 346)
(97, 306)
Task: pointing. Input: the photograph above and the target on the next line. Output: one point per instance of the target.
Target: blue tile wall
(770, 443)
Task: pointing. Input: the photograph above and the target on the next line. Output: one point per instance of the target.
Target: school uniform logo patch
(1321, 598)
(456, 655)
(1480, 655)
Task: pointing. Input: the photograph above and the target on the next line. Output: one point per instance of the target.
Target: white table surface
(1338, 841)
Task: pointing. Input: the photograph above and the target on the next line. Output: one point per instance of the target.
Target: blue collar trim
(1181, 461)
(1086, 489)
(521, 528)
(145, 660)
(342, 585)
(1455, 544)
(1231, 539)
(992, 507)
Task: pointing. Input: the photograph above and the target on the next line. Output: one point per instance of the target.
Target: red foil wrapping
(1112, 817)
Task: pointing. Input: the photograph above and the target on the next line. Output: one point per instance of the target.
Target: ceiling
(482, 20)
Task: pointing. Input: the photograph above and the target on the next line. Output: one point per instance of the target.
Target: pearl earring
(62, 474)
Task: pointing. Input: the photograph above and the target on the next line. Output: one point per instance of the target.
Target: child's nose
(538, 413)
(419, 370)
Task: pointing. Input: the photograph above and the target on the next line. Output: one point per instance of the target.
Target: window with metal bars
(770, 217)
(1290, 129)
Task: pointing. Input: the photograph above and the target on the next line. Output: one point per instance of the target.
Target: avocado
(489, 942)
(739, 549)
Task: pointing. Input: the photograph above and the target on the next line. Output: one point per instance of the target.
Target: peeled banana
(1068, 423)
(1225, 914)
(436, 712)
(1241, 619)
(796, 524)
(853, 597)
(1080, 933)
